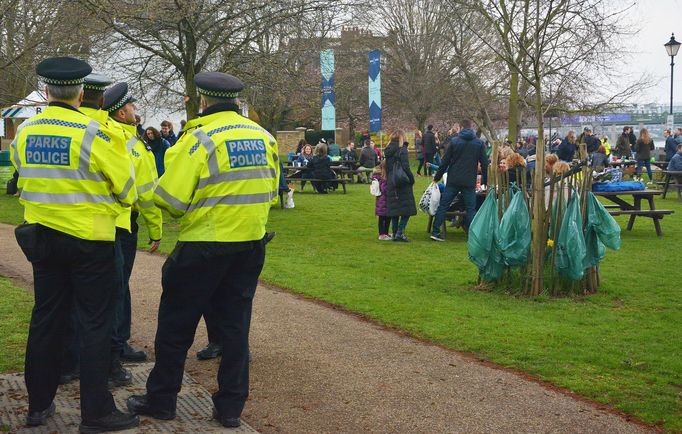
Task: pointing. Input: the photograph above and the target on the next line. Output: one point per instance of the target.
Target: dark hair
(466, 123)
(430, 127)
(154, 131)
(167, 124)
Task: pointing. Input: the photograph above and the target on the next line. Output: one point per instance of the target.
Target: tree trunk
(538, 222)
(513, 106)
(192, 103)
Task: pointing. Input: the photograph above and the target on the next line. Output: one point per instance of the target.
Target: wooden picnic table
(634, 208)
(661, 164)
(666, 183)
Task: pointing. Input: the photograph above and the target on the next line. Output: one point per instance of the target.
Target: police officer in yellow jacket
(72, 177)
(219, 181)
(94, 86)
(126, 244)
(119, 103)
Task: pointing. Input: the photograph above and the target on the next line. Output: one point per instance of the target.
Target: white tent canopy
(27, 107)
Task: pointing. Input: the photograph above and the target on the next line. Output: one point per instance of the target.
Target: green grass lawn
(15, 313)
(622, 346)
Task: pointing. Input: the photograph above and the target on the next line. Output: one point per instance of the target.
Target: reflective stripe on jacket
(116, 135)
(145, 179)
(220, 179)
(71, 174)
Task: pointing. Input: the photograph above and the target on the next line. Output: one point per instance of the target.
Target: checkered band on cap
(218, 93)
(91, 86)
(120, 103)
(55, 82)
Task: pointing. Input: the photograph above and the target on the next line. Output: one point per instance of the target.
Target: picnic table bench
(634, 209)
(449, 215)
(669, 174)
(342, 181)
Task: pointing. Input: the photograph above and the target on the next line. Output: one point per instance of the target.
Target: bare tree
(541, 40)
(172, 40)
(416, 75)
(31, 30)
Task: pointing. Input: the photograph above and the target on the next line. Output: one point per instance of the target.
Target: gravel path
(317, 370)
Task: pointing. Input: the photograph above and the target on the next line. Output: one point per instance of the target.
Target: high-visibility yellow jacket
(195, 123)
(71, 173)
(116, 134)
(146, 178)
(220, 179)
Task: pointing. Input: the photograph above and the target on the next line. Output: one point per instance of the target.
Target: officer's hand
(154, 245)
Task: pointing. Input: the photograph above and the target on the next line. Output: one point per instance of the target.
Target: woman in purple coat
(381, 207)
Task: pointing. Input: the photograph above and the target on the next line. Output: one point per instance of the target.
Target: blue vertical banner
(374, 91)
(328, 95)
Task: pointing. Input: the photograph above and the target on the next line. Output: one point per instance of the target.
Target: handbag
(398, 175)
(375, 188)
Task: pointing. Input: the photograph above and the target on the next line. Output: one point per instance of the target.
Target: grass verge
(15, 315)
(621, 347)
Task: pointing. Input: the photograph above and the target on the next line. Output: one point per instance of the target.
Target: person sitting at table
(349, 153)
(368, 160)
(320, 168)
(333, 150)
(670, 144)
(302, 160)
(301, 145)
(675, 164)
(599, 158)
(377, 149)
(643, 147)
(305, 155)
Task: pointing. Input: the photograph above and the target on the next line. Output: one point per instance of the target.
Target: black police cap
(218, 84)
(116, 97)
(63, 71)
(97, 81)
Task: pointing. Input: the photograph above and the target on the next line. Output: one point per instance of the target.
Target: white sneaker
(436, 238)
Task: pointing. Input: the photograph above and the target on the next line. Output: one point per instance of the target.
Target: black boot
(130, 354)
(118, 375)
(139, 404)
(114, 421)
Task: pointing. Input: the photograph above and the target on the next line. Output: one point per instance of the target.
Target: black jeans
(197, 275)
(82, 274)
(384, 223)
(428, 158)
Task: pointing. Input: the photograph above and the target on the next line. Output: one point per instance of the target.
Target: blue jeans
(399, 223)
(647, 164)
(451, 191)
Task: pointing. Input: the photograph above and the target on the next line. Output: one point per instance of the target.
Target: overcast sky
(658, 19)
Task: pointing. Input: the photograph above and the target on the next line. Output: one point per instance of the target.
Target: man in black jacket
(461, 161)
(430, 146)
(592, 143)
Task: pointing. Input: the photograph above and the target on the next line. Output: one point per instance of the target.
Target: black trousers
(126, 250)
(197, 275)
(82, 274)
(212, 328)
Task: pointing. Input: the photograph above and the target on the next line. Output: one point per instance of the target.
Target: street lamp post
(672, 47)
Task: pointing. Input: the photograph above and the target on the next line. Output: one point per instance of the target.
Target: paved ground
(318, 370)
(194, 411)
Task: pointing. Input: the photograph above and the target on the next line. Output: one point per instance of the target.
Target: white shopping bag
(289, 203)
(435, 199)
(425, 201)
(375, 188)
